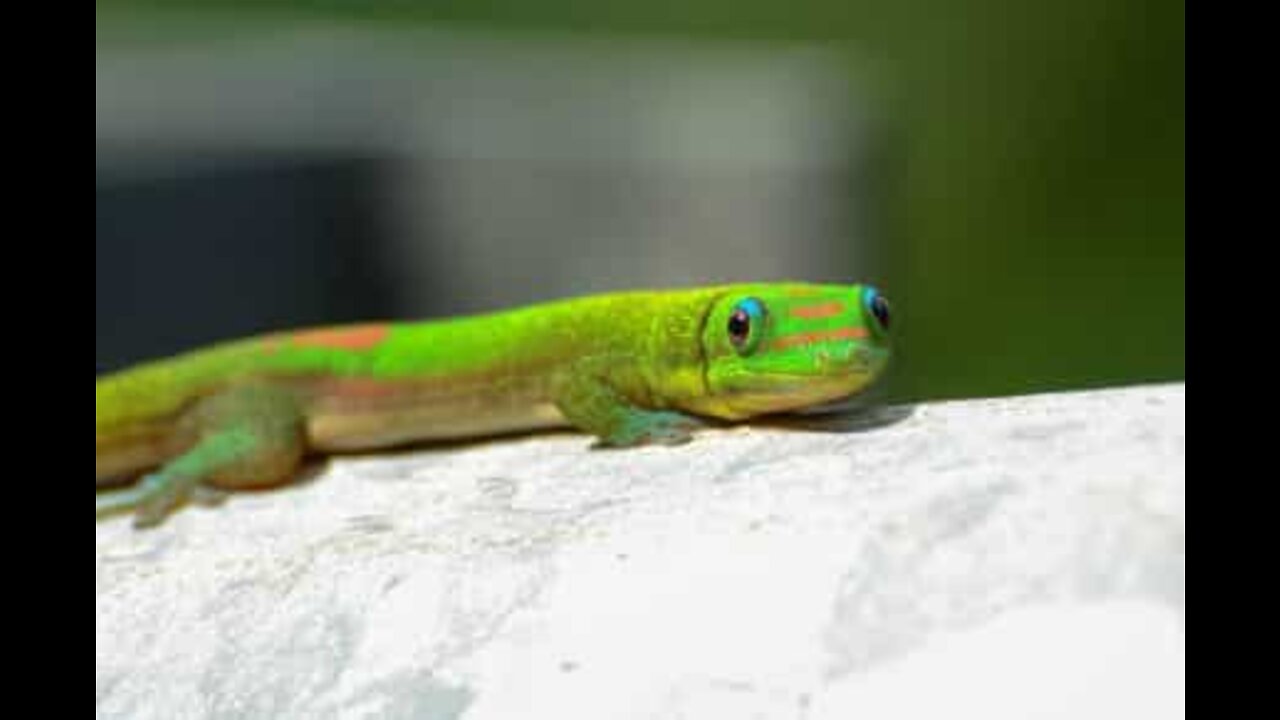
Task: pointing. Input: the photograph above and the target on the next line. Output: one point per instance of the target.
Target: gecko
(628, 367)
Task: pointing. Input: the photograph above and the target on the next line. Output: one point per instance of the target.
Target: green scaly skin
(629, 368)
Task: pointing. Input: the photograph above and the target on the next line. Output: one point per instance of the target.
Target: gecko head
(778, 347)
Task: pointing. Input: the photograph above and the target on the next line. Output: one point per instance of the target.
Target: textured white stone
(1003, 558)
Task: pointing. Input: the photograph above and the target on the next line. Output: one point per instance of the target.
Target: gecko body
(629, 368)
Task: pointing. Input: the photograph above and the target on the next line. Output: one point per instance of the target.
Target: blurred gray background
(325, 174)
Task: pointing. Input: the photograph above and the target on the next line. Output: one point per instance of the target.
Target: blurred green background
(1030, 198)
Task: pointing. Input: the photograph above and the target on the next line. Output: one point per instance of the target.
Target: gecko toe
(159, 496)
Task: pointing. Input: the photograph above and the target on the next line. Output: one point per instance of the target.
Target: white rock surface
(1006, 558)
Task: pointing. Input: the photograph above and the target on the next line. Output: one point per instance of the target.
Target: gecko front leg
(590, 403)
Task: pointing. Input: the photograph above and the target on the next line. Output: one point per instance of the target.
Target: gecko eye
(878, 306)
(745, 321)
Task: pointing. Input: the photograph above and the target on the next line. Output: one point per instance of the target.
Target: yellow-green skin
(629, 368)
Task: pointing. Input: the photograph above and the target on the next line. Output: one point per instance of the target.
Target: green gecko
(629, 368)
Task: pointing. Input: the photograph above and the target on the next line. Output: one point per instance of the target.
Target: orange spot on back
(844, 333)
(797, 292)
(356, 337)
(821, 310)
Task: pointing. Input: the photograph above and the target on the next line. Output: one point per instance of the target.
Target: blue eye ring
(878, 306)
(745, 325)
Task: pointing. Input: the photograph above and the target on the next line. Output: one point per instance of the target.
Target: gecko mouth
(841, 368)
(798, 385)
(833, 380)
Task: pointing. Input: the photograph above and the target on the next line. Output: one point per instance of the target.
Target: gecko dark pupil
(880, 307)
(739, 327)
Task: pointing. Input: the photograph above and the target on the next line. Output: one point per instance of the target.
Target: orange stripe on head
(819, 311)
(359, 337)
(844, 333)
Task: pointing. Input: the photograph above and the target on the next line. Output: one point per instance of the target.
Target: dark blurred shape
(247, 244)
